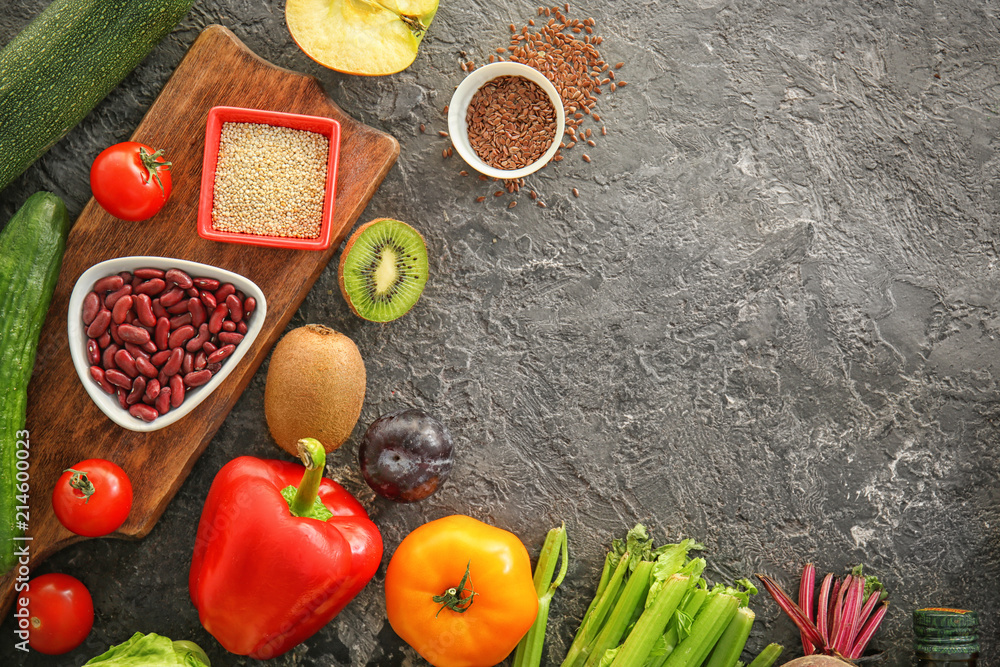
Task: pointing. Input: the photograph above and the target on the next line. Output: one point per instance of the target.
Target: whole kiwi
(315, 387)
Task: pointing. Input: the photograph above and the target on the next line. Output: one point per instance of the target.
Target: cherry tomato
(93, 498)
(460, 592)
(60, 613)
(131, 181)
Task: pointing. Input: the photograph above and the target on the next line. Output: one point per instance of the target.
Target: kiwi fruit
(315, 388)
(383, 269)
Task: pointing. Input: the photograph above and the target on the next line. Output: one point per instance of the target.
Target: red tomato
(93, 498)
(130, 180)
(60, 613)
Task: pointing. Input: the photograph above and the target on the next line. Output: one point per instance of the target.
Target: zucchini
(31, 250)
(65, 62)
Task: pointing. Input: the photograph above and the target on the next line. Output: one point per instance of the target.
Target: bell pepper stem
(313, 457)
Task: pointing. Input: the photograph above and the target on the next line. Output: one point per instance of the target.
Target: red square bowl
(328, 127)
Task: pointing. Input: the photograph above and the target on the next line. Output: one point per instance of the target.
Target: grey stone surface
(769, 322)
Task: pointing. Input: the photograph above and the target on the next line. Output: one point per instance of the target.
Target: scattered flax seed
(498, 193)
(576, 193)
(483, 177)
(613, 86)
(587, 134)
(445, 110)
(591, 143)
(464, 68)
(492, 59)
(604, 131)
(586, 158)
(512, 204)
(463, 173)
(512, 28)
(533, 194)
(480, 200)
(451, 151)
(541, 204)
(622, 84)
(597, 119)
(619, 65)
(442, 133)
(444, 153)
(531, 22)
(287, 203)
(423, 128)
(501, 50)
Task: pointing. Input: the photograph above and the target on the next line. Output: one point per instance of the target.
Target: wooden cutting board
(64, 424)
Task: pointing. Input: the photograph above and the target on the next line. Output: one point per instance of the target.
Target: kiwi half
(383, 269)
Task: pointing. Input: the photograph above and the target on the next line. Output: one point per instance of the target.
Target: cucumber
(65, 62)
(31, 250)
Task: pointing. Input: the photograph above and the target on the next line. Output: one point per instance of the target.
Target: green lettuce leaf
(152, 650)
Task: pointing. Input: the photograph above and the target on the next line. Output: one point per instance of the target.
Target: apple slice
(360, 36)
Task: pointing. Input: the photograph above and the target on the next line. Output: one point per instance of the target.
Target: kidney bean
(93, 352)
(223, 292)
(228, 326)
(126, 276)
(113, 330)
(149, 347)
(133, 334)
(209, 347)
(176, 390)
(242, 327)
(97, 373)
(122, 397)
(100, 323)
(138, 389)
(158, 309)
(180, 320)
(172, 297)
(210, 284)
(91, 306)
(173, 364)
(162, 404)
(208, 299)
(161, 333)
(108, 356)
(131, 318)
(180, 336)
(160, 357)
(146, 413)
(179, 278)
(135, 282)
(121, 309)
(111, 299)
(148, 273)
(178, 308)
(215, 321)
(197, 378)
(109, 284)
(118, 378)
(214, 367)
(104, 340)
(221, 354)
(197, 310)
(200, 360)
(249, 305)
(147, 400)
(126, 363)
(152, 389)
(144, 309)
(187, 364)
(146, 367)
(235, 307)
(152, 287)
(136, 351)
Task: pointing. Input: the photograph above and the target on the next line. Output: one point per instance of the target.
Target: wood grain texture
(64, 424)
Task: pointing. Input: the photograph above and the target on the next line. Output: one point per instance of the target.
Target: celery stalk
(653, 622)
(768, 656)
(631, 600)
(730, 645)
(708, 626)
(529, 649)
(692, 603)
(594, 620)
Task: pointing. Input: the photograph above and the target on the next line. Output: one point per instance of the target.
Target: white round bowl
(459, 105)
(108, 403)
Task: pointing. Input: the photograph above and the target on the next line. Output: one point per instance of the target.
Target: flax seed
(619, 65)
(463, 173)
(524, 113)
(442, 133)
(576, 193)
(604, 131)
(586, 158)
(512, 204)
(422, 128)
(613, 87)
(541, 204)
(480, 200)
(498, 193)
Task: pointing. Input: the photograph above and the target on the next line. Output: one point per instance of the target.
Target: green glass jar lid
(944, 618)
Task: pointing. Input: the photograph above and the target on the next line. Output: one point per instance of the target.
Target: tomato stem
(452, 598)
(149, 161)
(81, 483)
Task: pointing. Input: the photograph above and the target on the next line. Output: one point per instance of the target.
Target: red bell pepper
(273, 564)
